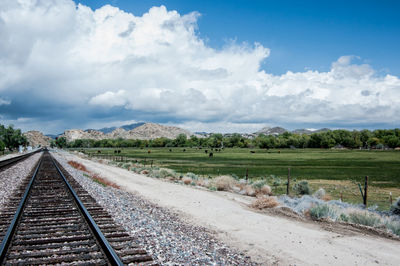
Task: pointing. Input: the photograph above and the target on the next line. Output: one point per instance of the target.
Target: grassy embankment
(337, 171)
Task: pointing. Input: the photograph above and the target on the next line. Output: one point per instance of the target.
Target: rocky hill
(271, 131)
(36, 138)
(145, 131)
(152, 131)
(73, 134)
(107, 130)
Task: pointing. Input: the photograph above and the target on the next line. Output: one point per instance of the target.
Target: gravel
(11, 178)
(169, 239)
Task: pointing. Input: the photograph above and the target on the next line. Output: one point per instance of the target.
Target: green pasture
(382, 167)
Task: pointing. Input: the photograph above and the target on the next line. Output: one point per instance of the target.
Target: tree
(61, 142)
(180, 140)
(2, 146)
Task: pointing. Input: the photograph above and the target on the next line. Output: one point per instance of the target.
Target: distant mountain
(271, 131)
(36, 138)
(107, 130)
(52, 136)
(309, 131)
(145, 131)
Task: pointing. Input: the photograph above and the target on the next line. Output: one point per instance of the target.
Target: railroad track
(51, 219)
(11, 161)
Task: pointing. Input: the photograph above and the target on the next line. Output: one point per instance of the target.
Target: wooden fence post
(390, 198)
(247, 174)
(288, 183)
(365, 191)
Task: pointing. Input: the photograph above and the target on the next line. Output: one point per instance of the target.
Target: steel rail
(11, 229)
(15, 159)
(108, 250)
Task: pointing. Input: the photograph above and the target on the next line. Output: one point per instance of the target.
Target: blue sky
(216, 66)
(301, 34)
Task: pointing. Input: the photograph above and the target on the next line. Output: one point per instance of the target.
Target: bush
(164, 173)
(320, 193)
(224, 182)
(302, 188)
(343, 217)
(192, 176)
(365, 218)
(235, 176)
(395, 208)
(264, 203)
(126, 166)
(393, 226)
(257, 185)
(249, 191)
(323, 211)
(187, 180)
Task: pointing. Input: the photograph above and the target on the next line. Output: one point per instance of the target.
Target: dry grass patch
(223, 183)
(265, 203)
(78, 166)
(103, 181)
(187, 180)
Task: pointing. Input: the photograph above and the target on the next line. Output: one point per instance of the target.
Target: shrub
(343, 217)
(235, 176)
(302, 188)
(213, 188)
(155, 173)
(266, 190)
(192, 176)
(257, 185)
(164, 173)
(223, 182)
(393, 226)
(264, 203)
(126, 166)
(320, 193)
(323, 211)
(395, 208)
(187, 180)
(249, 191)
(365, 218)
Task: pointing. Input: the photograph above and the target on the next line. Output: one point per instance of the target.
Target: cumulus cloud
(4, 102)
(106, 63)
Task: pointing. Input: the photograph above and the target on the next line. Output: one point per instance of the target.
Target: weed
(235, 176)
(264, 203)
(187, 180)
(323, 211)
(365, 218)
(192, 176)
(77, 165)
(395, 208)
(320, 193)
(393, 226)
(343, 217)
(223, 182)
(302, 188)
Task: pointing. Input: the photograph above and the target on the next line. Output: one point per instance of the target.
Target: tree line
(380, 138)
(11, 138)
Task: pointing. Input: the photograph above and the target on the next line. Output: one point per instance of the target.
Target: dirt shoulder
(267, 238)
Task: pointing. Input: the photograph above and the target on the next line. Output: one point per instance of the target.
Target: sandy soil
(268, 239)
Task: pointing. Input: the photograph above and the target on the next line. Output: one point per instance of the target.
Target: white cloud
(70, 55)
(4, 102)
(110, 99)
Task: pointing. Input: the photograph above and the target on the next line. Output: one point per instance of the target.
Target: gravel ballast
(11, 178)
(159, 230)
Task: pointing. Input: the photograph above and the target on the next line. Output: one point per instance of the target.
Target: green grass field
(337, 171)
(382, 167)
